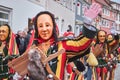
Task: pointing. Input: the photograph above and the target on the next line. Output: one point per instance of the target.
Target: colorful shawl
(12, 48)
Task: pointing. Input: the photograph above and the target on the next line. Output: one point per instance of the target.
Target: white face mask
(45, 26)
(102, 36)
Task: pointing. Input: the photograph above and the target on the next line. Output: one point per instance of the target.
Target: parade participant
(75, 70)
(89, 67)
(102, 64)
(46, 39)
(102, 58)
(8, 50)
(76, 67)
(113, 54)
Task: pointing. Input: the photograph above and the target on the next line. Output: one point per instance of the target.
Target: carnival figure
(8, 51)
(103, 56)
(113, 54)
(47, 41)
(76, 67)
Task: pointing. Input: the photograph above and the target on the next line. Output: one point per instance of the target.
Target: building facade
(64, 13)
(17, 12)
(68, 13)
(116, 6)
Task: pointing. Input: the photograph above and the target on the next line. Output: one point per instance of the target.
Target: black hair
(105, 42)
(54, 25)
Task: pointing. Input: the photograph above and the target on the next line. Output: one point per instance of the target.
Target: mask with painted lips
(102, 36)
(3, 33)
(45, 26)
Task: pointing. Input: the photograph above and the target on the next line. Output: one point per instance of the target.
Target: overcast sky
(118, 1)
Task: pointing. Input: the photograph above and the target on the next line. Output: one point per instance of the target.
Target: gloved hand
(17, 76)
(91, 13)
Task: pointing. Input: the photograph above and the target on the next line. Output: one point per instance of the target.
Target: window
(106, 12)
(103, 11)
(118, 27)
(36, 1)
(70, 4)
(5, 15)
(57, 20)
(118, 17)
(64, 2)
(62, 25)
(83, 8)
(3, 18)
(113, 14)
(78, 8)
(105, 23)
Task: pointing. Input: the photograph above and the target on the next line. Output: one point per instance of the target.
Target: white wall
(22, 10)
(62, 13)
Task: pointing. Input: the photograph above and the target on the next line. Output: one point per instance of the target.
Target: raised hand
(92, 12)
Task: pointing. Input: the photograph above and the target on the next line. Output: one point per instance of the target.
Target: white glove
(16, 76)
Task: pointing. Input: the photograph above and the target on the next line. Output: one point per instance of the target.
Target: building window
(113, 14)
(62, 25)
(78, 8)
(83, 8)
(70, 4)
(118, 17)
(105, 23)
(5, 15)
(36, 1)
(118, 27)
(106, 12)
(57, 20)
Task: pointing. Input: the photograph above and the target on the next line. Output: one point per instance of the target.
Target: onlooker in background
(17, 37)
(29, 36)
(20, 39)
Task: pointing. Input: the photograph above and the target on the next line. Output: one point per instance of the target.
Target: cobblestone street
(117, 72)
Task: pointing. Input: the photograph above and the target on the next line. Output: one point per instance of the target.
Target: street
(117, 72)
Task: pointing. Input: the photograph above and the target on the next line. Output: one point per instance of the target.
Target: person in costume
(45, 29)
(46, 39)
(113, 54)
(103, 54)
(75, 68)
(88, 73)
(8, 51)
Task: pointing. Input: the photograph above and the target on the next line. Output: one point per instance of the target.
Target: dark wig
(105, 42)
(54, 34)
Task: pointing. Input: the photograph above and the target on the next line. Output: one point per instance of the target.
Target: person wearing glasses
(113, 57)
